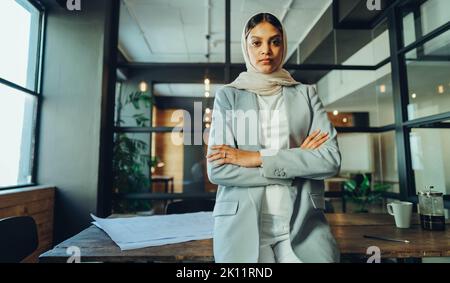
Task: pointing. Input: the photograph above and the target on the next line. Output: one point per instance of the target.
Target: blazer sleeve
(319, 163)
(221, 133)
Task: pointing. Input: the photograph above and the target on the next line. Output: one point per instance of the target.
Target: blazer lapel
(247, 101)
(298, 115)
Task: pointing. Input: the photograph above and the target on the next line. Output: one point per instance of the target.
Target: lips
(266, 61)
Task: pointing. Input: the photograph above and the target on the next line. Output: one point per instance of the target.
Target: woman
(270, 147)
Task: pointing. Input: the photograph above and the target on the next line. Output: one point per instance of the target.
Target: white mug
(401, 210)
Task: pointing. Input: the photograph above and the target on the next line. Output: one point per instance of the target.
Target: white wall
(375, 153)
(340, 83)
(431, 158)
(357, 152)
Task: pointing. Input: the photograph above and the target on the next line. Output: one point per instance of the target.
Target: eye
(255, 43)
(277, 42)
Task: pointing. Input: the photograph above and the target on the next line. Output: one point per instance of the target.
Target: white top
(274, 135)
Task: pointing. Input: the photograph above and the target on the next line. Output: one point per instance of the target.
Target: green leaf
(365, 184)
(135, 104)
(350, 185)
(131, 160)
(382, 187)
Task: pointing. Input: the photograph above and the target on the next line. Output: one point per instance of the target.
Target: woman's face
(265, 47)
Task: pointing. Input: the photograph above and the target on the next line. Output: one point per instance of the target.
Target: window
(19, 29)
(349, 47)
(17, 113)
(358, 98)
(371, 49)
(428, 71)
(430, 158)
(425, 56)
(20, 26)
(372, 153)
(422, 17)
(149, 158)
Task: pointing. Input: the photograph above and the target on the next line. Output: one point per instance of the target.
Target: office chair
(189, 206)
(18, 238)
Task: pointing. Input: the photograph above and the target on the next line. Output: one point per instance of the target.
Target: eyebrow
(277, 35)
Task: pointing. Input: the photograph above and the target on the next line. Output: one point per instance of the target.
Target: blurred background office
(89, 98)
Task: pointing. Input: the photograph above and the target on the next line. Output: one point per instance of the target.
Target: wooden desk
(96, 246)
(348, 229)
(364, 219)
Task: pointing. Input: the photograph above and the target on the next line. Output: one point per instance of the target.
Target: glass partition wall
(384, 85)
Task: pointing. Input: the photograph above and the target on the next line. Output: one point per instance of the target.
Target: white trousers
(275, 244)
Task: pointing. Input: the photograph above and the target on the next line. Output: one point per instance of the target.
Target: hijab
(263, 84)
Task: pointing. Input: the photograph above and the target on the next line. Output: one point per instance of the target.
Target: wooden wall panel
(37, 202)
(172, 154)
(341, 119)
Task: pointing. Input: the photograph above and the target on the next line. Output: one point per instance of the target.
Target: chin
(266, 69)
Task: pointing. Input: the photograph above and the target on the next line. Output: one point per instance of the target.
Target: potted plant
(359, 191)
(131, 159)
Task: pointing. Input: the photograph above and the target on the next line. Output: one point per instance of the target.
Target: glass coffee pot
(431, 209)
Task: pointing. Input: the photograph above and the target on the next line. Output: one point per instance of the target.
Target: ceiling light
(206, 93)
(207, 125)
(382, 88)
(413, 95)
(143, 86)
(206, 81)
(344, 120)
(440, 89)
(335, 112)
(207, 110)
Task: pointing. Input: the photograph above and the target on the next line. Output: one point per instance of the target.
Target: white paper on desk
(146, 231)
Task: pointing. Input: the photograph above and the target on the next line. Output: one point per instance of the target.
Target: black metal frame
(105, 179)
(402, 126)
(399, 87)
(401, 99)
(382, 129)
(146, 129)
(36, 92)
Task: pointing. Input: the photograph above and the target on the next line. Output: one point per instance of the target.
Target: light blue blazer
(240, 190)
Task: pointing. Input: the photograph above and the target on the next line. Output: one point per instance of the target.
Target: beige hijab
(260, 83)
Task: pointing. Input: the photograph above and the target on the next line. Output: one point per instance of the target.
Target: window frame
(401, 94)
(35, 92)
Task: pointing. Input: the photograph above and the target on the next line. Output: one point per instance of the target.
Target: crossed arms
(317, 158)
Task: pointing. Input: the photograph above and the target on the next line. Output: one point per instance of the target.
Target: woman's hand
(224, 154)
(314, 140)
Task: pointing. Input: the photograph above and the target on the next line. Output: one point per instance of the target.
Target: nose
(265, 49)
